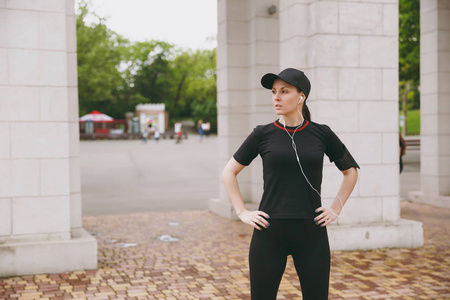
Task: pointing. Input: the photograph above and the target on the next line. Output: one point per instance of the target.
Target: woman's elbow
(232, 168)
(227, 172)
(351, 172)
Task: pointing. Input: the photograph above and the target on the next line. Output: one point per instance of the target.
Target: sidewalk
(209, 261)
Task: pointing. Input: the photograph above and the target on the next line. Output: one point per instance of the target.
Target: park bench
(412, 143)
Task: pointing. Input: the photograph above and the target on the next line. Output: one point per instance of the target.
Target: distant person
(144, 136)
(178, 132)
(201, 132)
(402, 151)
(179, 136)
(291, 219)
(157, 135)
(206, 128)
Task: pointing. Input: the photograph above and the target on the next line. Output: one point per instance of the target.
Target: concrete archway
(347, 48)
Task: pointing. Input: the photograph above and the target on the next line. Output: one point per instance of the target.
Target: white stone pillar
(40, 202)
(434, 104)
(349, 50)
(247, 48)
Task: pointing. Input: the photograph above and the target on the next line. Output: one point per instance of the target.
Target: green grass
(412, 122)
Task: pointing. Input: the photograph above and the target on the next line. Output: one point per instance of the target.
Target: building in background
(146, 119)
(153, 117)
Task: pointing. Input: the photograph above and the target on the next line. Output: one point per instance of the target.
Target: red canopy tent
(96, 116)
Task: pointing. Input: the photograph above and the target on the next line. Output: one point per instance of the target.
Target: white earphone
(301, 98)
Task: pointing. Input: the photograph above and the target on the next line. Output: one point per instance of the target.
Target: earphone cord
(294, 146)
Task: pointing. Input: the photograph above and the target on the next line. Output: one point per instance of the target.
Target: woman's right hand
(256, 219)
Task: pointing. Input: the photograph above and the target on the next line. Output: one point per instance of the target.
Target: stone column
(247, 48)
(434, 104)
(349, 50)
(40, 203)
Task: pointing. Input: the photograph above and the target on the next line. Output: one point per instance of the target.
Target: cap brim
(268, 79)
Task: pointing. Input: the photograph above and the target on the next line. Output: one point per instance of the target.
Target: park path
(129, 176)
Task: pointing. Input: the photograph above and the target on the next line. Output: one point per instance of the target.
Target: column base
(434, 200)
(52, 256)
(400, 234)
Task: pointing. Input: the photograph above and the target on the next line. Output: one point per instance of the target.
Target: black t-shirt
(287, 194)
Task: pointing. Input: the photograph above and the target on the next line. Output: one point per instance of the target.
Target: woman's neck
(291, 121)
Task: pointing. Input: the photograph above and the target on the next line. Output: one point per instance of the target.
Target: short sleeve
(338, 153)
(249, 148)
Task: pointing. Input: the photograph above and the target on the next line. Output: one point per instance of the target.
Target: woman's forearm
(347, 186)
(229, 176)
(234, 193)
(256, 219)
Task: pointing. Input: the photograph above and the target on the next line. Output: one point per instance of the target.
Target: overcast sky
(185, 23)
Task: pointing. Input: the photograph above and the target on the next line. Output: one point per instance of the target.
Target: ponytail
(305, 112)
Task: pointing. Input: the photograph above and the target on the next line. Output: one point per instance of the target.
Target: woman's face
(285, 98)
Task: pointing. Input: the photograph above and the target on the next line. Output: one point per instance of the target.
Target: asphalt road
(120, 177)
(130, 176)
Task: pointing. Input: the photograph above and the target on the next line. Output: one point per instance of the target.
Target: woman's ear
(302, 98)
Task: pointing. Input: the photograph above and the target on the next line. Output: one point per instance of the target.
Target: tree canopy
(114, 74)
(409, 51)
(99, 54)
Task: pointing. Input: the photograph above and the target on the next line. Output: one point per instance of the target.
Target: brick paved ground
(209, 261)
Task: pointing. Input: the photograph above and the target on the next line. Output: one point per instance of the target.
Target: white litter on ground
(167, 238)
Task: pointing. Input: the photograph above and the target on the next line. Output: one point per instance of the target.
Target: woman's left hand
(326, 217)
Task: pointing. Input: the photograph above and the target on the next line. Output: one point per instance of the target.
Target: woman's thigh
(267, 264)
(312, 262)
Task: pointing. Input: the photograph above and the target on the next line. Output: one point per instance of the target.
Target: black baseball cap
(292, 76)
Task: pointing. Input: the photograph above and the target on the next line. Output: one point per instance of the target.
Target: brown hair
(305, 110)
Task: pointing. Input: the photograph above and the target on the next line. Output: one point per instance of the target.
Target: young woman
(291, 219)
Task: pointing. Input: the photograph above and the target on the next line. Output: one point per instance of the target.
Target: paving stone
(210, 261)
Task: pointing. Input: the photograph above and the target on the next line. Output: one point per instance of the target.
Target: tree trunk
(180, 86)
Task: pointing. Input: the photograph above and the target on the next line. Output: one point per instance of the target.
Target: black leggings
(308, 245)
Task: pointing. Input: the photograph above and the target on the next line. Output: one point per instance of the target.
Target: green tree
(199, 95)
(115, 75)
(409, 56)
(100, 52)
(181, 79)
(409, 40)
(150, 61)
